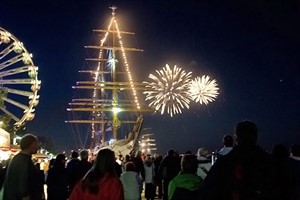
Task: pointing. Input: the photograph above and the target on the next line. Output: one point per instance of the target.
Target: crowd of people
(239, 170)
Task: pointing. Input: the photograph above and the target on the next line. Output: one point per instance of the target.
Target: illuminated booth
(6, 150)
(4, 139)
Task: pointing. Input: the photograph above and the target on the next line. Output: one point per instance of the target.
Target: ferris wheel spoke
(19, 70)
(16, 81)
(10, 114)
(11, 61)
(6, 51)
(20, 92)
(15, 103)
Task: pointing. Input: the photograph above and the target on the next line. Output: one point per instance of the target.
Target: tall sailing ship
(106, 111)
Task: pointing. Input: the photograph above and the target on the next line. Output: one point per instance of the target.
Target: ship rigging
(108, 99)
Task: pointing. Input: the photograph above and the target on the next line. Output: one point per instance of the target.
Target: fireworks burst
(169, 90)
(203, 90)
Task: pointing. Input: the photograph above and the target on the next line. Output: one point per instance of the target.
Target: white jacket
(131, 184)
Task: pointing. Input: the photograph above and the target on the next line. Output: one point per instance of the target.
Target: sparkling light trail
(169, 90)
(203, 90)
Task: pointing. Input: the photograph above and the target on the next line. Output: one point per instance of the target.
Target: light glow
(116, 110)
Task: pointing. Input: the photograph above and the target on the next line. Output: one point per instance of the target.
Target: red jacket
(110, 188)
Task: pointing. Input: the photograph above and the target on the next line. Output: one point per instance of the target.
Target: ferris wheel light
(18, 47)
(34, 97)
(35, 85)
(35, 88)
(30, 116)
(35, 82)
(27, 58)
(34, 100)
(4, 37)
(32, 74)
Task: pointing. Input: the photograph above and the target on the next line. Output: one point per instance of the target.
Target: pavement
(143, 195)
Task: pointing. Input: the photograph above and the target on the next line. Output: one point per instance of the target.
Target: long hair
(59, 161)
(104, 166)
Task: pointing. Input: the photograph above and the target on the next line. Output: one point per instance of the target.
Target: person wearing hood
(186, 185)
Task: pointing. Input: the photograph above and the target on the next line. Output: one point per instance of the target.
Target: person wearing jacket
(21, 179)
(132, 183)
(57, 179)
(168, 169)
(245, 173)
(187, 184)
(149, 174)
(101, 182)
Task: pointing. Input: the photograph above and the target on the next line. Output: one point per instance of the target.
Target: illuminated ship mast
(112, 89)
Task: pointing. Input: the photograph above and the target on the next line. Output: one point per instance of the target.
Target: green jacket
(187, 181)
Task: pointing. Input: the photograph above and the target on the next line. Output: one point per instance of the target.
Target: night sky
(251, 48)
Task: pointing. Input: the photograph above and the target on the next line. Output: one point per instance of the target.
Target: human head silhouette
(227, 140)
(29, 144)
(246, 133)
(189, 164)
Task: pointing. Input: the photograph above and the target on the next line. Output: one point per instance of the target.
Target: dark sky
(250, 47)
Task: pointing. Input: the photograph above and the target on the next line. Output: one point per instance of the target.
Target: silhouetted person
(127, 158)
(41, 177)
(169, 168)
(57, 179)
(227, 145)
(188, 152)
(21, 180)
(118, 169)
(71, 169)
(139, 164)
(282, 185)
(245, 173)
(3, 169)
(79, 169)
(157, 177)
(71, 165)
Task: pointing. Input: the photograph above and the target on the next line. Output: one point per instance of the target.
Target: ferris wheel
(19, 84)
